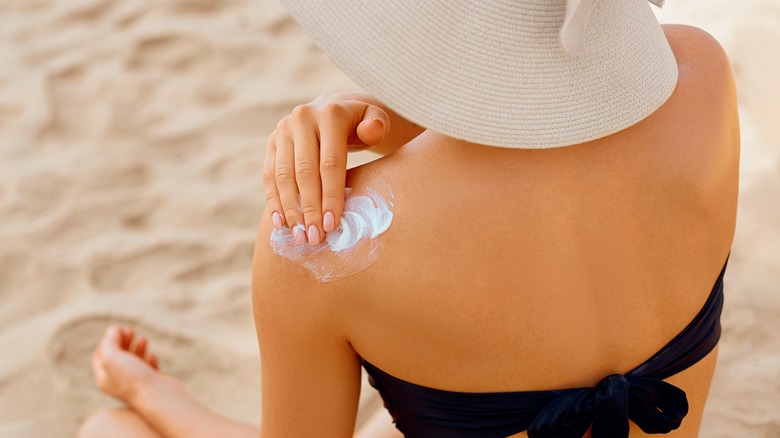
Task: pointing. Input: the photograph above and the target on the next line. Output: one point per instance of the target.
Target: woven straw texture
(494, 71)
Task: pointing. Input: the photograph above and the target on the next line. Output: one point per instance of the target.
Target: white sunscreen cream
(350, 248)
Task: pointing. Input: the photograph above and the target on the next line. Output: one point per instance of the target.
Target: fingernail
(314, 235)
(382, 122)
(299, 233)
(277, 218)
(329, 222)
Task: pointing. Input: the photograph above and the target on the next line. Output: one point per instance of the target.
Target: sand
(131, 144)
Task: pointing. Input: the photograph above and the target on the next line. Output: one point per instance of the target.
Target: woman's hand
(307, 154)
(120, 363)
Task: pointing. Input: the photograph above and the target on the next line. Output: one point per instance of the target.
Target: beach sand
(132, 137)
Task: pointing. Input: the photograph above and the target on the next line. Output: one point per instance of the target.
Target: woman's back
(516, 270)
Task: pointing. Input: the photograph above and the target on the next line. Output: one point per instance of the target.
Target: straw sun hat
(509, 73)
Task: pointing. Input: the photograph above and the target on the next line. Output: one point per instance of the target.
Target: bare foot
(121, 364)
(157, 404)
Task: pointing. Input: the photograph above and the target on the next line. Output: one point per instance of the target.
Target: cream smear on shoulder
(350, 248)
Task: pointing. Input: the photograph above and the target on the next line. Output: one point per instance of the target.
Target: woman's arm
(310, 373)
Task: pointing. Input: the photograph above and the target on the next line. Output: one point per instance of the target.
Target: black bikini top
(640, 395)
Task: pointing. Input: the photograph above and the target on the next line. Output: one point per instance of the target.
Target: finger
(272, 201)
(140, 347)
(374, 126)
(111, 340)
(127, 334)
(333, 169)
(307, 172)
(153, 361)
(285, 179)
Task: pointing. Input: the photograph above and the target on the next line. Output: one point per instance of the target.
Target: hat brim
(494, 72)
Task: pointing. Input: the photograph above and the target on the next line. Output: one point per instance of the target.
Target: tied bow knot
(654, 405)
(572, 33)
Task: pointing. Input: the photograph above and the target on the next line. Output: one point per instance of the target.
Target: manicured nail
(277, 218)
(329, 222)
(314, 235)
(299, 233)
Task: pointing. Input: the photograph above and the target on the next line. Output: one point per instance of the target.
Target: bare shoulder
(705, 78)
(696, 47)
(285, 288)
(282, 285)
(699, 122)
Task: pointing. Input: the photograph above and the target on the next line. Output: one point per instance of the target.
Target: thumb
(374, 126)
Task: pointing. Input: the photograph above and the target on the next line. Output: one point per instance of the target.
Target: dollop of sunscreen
(347, 250)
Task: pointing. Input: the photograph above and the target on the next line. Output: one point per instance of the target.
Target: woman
(506, 272)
